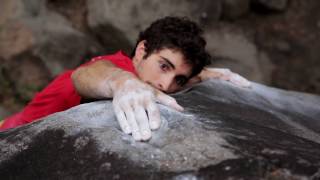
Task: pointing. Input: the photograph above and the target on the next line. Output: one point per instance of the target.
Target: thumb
(167, 100)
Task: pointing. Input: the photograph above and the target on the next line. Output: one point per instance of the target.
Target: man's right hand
(134, 104)
(134, 101)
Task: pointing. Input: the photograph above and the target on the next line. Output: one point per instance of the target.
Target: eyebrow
(169, 62)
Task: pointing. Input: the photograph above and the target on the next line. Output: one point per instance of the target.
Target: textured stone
(17, 9)
(224, 132)
(15, 38)
(58, 44)
(275, 5)
(32, 72)
(233, 49)
(33, 29)
(291, 41)
(142, 13)
(232, 9)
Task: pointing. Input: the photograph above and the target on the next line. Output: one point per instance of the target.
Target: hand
(134, 104)
(224, 74)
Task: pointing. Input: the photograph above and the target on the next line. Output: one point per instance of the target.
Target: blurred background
(274, 42)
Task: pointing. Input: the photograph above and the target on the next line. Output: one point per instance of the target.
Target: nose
(164, 84)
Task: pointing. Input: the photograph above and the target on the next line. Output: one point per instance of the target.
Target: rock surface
(224, 132)
(275, 5)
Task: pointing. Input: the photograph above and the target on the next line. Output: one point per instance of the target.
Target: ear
(140, 50)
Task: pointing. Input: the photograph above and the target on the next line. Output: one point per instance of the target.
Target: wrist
(118, 79)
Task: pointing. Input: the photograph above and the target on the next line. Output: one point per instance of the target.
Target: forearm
(98, 80)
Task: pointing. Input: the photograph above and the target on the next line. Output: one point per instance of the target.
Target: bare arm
(99, 79)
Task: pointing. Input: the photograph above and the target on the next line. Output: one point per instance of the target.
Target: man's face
(165, 69)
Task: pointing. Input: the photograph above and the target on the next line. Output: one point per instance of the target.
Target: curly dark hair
(177, 33)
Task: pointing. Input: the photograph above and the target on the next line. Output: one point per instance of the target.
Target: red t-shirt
(60, 94)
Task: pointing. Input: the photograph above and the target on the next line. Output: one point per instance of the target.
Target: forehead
(177, 59)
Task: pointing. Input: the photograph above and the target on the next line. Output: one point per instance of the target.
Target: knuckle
(171, 99)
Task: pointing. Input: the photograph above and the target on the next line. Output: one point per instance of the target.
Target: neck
(135, 63)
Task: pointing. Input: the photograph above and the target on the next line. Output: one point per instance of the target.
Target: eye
(164, 66)
(181, 80)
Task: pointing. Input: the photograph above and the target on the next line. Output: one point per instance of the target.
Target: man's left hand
(223, 74)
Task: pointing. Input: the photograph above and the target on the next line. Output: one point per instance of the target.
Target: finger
(121, 119)
(133, 123)
(168, 101)
(240, 81)
(154, 115)
(143, 122)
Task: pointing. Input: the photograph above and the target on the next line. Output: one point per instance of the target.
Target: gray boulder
(233, 9)
(274, 5)
(224, 132)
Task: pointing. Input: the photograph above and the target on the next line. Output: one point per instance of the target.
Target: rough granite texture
(225, 132)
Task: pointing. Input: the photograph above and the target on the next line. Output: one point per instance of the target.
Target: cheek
(148, 72)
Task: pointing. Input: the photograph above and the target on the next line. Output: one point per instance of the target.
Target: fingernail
(127, 130)
(180, 108)
(146, 134)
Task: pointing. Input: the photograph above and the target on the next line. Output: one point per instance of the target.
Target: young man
(169, 55)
